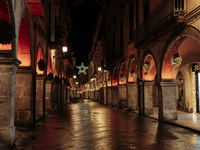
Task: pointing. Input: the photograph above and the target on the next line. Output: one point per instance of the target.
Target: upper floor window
(146, 9)
(131, 22)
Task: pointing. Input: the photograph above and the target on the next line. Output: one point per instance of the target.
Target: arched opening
(180, 101)
(122, 74)
(23, 50)
(115, 77)
(4, 16)
(149, 68)
(40, 57)
(132, 70)
(109, 79)
(149, 71)
(183, 71)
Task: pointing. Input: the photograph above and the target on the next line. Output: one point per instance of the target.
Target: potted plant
(132, 74)
(6, 32)
(122, 78)
(108, 81)
(41, 64)
(147, 66)
(176, 60)
(50, 77)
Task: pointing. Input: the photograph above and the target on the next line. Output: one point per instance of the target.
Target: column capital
(15, 61)
(149, 83)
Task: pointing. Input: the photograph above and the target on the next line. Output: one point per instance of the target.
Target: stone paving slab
(90, 125)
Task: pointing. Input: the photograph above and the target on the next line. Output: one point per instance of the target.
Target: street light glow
(64, 48)
(99, 68)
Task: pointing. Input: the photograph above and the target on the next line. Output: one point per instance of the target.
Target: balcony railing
(166, 14)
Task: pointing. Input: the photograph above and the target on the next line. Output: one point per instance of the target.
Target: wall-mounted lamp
(91, 79)
(74, 77)
(76, 82)
(64, 49)
(99, 68)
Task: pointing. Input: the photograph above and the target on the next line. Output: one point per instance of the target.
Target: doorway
(180, 100)
(197, 90)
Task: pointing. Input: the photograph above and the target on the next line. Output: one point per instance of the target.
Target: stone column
(68, 95)
(109, 96)
(122, 91)
(104, 96)
(115, 96)
(92, 95)
(23, 97)
(132, 96)
(54, 95)
(141, 97)
(64, 94)
(7, 100)
(95, 95)
(167, 101)
(39, 96)
(148, 98)
(48, 97)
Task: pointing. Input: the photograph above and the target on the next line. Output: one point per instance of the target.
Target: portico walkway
(186, 120)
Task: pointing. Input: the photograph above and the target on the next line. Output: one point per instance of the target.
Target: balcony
(167, 16)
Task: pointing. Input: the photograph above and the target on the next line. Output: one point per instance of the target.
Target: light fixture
(76, 82)
(74, 77)
(91, 79)
(99, 68)
(64, 49)
(86, 85)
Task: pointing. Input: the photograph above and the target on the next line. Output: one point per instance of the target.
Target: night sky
(84, 18)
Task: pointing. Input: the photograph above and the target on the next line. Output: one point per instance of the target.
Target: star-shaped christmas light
(81, 68)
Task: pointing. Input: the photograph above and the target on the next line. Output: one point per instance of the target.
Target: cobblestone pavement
(89, 125)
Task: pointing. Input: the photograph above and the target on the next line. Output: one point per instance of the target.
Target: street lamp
(99, 69)
(64, 49)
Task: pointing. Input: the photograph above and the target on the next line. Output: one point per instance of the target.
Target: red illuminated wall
(40, 56)
(109, 78)
(23, 50)
(49, 66)
(115, 78)
(4, 15)
(122, 73)
(55, 70)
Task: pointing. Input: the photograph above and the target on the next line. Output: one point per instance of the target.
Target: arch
(172, 46)
(23, 52)
(40, 56)
(132, 71)
(109, 79)
(187, 47)
(122, 74)
(5, 16)
(148, 58)
(114, 77)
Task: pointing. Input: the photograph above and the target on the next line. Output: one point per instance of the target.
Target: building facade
(149, 54)
(33, 67)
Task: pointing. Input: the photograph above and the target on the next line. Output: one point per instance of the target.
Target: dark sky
(84, 18)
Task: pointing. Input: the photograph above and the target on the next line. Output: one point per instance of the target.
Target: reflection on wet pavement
(89, 125)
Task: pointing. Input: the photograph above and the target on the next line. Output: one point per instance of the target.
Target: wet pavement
(89, 125)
